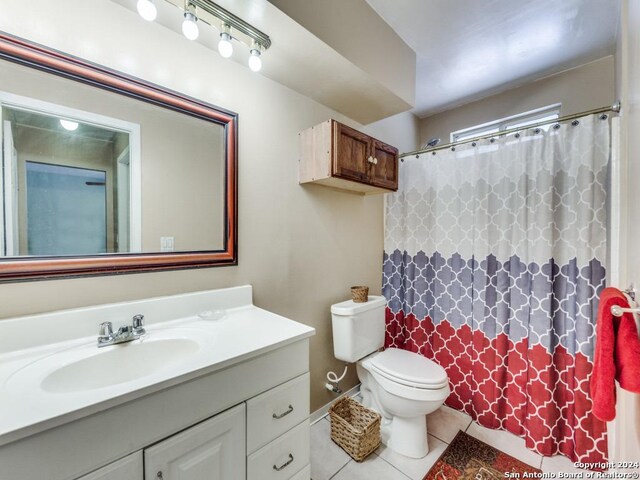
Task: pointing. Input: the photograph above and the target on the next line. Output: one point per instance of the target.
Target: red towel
(617, 355)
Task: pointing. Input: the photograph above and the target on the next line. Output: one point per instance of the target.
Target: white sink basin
(87, 368)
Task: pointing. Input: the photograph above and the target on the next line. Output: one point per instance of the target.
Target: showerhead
(432, 142)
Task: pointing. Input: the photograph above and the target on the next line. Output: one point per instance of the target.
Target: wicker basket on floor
(355, 428)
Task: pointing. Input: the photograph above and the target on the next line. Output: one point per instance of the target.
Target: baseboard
(324, 410)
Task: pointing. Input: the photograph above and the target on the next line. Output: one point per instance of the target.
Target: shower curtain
(494, 259)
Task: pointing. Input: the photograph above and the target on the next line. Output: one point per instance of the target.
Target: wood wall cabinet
(338, 156)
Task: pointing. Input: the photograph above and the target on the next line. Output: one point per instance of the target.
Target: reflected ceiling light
(69, 125)
(225, 47)
(147, 10)
(255, 62)
(189, 25)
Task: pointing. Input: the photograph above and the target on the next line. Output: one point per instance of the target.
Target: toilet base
(403, 410)
(406, 436)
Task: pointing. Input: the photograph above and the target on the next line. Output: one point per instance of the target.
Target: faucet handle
(138, 324)
(106, 331)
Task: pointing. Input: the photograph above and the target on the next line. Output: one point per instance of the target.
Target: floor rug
(467, 458)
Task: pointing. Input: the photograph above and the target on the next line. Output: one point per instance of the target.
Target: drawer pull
(278, 417)
(286, 464)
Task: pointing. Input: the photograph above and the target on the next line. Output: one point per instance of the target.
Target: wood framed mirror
(148, 182)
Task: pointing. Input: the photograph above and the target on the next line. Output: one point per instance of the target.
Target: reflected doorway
(67, 188)
(66, 210)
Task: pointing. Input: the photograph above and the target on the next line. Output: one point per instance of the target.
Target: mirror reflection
(66, 186)
(87, 171)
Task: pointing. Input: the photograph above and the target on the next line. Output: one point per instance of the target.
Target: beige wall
(356, 31)
(300, 247)
(582, 88)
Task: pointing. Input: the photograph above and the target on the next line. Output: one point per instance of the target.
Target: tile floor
(328, 461)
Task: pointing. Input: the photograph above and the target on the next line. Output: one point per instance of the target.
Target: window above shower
(550, 112)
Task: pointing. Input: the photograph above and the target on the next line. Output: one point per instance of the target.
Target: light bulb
(147, 10)
(225, 47)
(69, 125)
(189, 26)
(255, 62)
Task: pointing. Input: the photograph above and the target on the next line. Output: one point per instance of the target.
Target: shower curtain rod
(611, 108)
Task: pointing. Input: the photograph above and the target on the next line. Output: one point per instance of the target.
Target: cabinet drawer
(127, 468)
(304, 474)
(275, 411)
(282, 458)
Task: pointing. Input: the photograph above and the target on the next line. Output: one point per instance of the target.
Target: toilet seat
(410, 393)
(409, 369)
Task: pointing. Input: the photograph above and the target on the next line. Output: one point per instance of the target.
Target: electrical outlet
(166, 244)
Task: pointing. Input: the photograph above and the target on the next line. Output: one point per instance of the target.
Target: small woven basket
(360, 294)
(355, 428)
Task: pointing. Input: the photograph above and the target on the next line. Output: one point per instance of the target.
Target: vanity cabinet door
(127, 468)
(211, 450)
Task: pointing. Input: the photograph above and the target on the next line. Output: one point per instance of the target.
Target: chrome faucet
(124, 334)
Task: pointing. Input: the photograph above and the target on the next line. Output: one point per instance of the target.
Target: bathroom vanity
(216, 388)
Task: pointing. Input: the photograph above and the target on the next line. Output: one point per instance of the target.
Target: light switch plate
(166, 244)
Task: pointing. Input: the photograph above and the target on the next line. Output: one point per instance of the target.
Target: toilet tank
(358, 328)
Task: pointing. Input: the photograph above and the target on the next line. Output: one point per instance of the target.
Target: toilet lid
(409, 368)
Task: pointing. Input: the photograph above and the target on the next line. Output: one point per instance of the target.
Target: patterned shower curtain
(493, 265)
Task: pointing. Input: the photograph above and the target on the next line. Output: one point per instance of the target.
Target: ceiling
(41, 121)
(297, 58)
(469, 49)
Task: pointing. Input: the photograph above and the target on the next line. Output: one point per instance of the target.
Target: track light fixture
(232, 28)
(255, 62)
(225, 47)
(147, 10)
(189, 25)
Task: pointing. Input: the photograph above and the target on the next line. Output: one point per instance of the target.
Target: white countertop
(239, 332)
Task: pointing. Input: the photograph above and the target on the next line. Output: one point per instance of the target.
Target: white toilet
(402, 386)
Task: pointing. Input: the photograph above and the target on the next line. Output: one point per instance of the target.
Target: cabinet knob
(375, 161)
(159, 475)
(370, 159)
